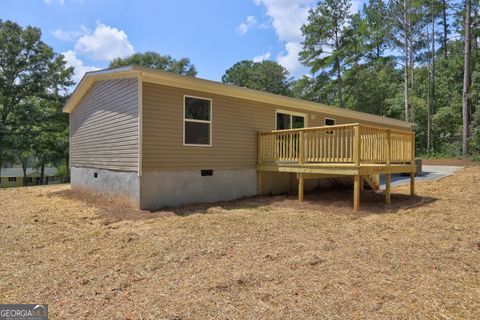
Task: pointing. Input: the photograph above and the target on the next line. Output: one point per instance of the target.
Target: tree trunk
(431, 94)
(339, 83)
(466, 81)
(42, 173)
(445, 30)
(407, 57)
(1, 156)
(24, 169)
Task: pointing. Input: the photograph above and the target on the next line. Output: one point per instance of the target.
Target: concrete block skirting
(116, 183)
(170, 188)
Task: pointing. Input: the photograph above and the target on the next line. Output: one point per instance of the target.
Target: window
(289, 120)
(29, 179)
(12, 179)
(329, 122)
(197, 121)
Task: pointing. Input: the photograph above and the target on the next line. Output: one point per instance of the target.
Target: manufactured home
(13, 177)
(162, 139)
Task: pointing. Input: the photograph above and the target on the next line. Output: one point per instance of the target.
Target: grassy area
(263, 257)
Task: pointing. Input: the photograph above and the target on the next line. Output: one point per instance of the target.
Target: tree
(466, 79)
(28, 68)
(157, 61)
(266, 76)
(377, 35)
(324, 44)
(445, 29)
(408, 21)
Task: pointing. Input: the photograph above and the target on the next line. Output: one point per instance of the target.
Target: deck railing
(344, 144)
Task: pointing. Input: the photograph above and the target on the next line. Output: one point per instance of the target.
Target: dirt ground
(256, 258)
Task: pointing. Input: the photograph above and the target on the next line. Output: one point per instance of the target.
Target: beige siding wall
(235, 123)
(104, 127)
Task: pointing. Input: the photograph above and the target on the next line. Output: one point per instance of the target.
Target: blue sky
(214, 34)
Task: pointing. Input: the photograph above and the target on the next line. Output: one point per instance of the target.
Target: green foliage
(33, 83)
(157, 61)
(266, 76)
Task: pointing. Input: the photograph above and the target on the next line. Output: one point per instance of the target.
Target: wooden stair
(373, 181)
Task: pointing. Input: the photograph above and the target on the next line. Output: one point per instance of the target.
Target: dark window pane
(298, 122)
(197, 109)
(329, 122)
(283, 121)
(197, 133)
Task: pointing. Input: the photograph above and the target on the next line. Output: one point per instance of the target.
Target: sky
(213, 34)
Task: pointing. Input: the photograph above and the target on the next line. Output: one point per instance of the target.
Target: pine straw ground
(256, 258)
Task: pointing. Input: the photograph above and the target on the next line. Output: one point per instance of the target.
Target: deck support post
(356, 193)
(388, 188)
(412, 183)
(300, 186)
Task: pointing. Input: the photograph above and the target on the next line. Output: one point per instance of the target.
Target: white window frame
(325, 121)
(291, 113)
(198, 121)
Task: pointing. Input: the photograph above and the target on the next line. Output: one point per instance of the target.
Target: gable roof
(192, 83)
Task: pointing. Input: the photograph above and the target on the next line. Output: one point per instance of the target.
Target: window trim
(325, 121)
(291, 113)
(197, 121)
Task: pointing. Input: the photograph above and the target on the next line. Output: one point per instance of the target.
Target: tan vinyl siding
(235, 123)
(104, 127)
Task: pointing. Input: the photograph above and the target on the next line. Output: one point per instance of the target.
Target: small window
(197, 119)
(12, 179)
(95, 175)
(29, 179)
(329, 122)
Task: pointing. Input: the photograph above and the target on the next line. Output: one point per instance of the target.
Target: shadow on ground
(338, 200)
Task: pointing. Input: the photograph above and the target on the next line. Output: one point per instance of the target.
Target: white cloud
(288, 16)
(244, 26)
(262, 57)
(79, 68)
(104, 43)
(70, 35)
(290, 58)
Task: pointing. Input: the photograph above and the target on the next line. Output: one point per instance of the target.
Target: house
(162, 139)
(13, 177)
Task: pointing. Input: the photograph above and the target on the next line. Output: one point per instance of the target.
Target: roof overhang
(192, 83)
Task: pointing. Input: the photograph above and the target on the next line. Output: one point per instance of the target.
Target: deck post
(412, 183)
(356, 193)
(301, 147)
(388, 188)
(357, 146)
(389, 148)
(300, 186)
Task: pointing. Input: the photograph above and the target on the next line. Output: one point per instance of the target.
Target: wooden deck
(361, 151)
